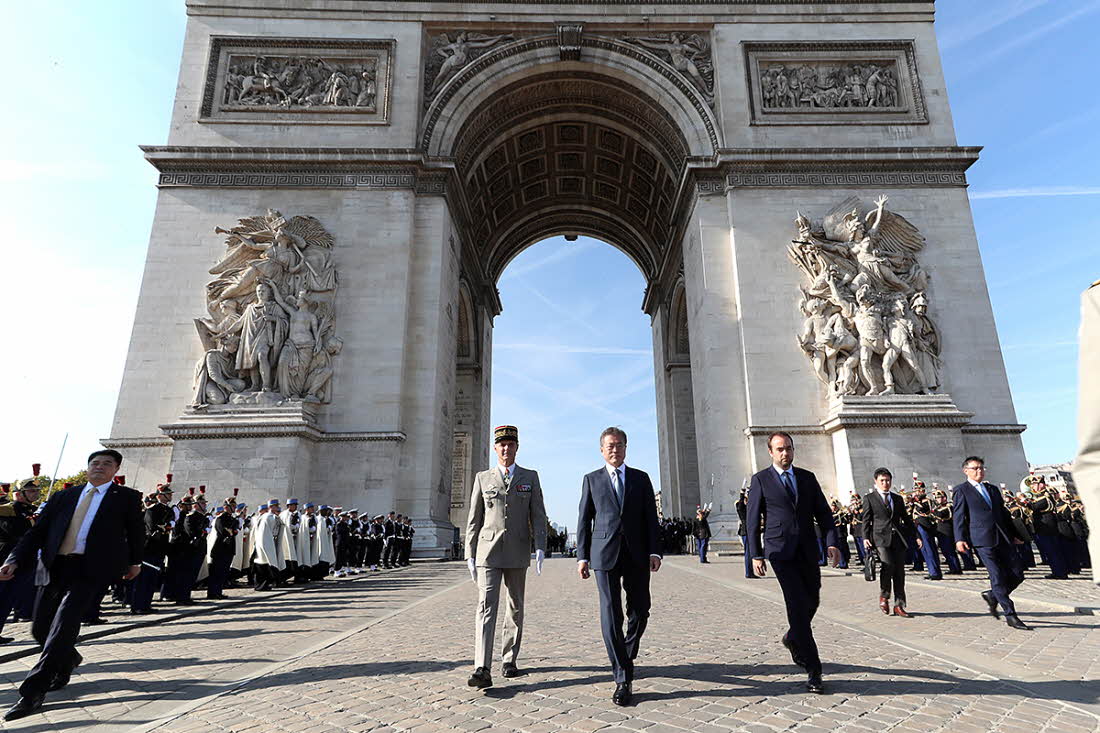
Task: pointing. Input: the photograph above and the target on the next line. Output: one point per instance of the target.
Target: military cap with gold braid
(506, 432)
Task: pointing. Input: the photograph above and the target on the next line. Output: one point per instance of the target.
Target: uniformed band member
(406, 550)
(506, 514)
(222, 550)
(159, 519)
(15, 521)
(389, 536)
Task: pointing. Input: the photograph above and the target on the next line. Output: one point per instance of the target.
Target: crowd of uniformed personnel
(191, 545)
(1052, 522)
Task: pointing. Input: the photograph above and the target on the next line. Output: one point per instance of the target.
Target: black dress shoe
(6, 639)
(480, 679)
(622, 694)
(188, 602)
(794, 655)
(24, 707)
(815, 685)
(933, 577)
(97, 621)
(1055, 577)
(509, 670)
(219, 597)
(991, 602)
(1014, 621)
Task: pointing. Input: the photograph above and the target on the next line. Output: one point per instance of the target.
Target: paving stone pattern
(393, 653)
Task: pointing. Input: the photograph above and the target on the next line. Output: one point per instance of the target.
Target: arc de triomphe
(345, 181)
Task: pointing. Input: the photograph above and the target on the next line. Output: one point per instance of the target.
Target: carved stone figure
(829, 85)
(456, 54)
(867, 329)
(298, 82)
(688, 53)
(271, 314)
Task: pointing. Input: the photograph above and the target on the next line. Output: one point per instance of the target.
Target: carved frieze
(687, 53)
(834, 83)
(304, 80)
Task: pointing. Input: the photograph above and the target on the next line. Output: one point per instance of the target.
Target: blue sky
(92, 81)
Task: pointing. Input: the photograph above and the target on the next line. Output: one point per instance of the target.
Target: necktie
(617, 485)
(789, 486)
(985, 494)
(68, 544)
(507, 479)
(889, 505)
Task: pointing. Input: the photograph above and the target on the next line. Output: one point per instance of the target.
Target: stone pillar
(717, 359)
(472, 431)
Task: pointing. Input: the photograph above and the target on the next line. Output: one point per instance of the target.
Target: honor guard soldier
(407, 549)
(388, 536)
(375, 539)
(15, 520)
(507, 515)
(159, 519)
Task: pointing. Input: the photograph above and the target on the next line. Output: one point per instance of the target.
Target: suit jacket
(980, 524)
(116, 538)
(604, 527)
(502, 522)
(787, 528)
(887, 529)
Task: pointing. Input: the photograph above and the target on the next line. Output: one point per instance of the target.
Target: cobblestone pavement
(393, 653)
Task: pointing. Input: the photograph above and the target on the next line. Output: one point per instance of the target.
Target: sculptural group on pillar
(867, 330)
(269, 331)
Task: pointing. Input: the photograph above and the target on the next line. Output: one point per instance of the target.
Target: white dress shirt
(93, 507)
(507, 473)
(790, 473)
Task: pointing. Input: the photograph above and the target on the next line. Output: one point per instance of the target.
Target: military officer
(506, 512)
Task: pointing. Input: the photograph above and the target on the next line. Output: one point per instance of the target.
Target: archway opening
(573, 354)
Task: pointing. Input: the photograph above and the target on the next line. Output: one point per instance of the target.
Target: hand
(759, 567)
(539, 557)
(834, 556)
(867, 544)
(582, 569)
(7, 571)
(1017, 541)
(654, 564)
(473, 568)
(132, 572)
(920, 542)
(962, 546)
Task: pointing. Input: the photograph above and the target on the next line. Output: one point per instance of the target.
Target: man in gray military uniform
(506, 511)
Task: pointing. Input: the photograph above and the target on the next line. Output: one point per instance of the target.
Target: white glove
(539, 557)
(473, 568)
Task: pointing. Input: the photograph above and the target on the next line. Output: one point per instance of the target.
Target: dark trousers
(219, 573)
(1027, 554)
(320, 570)
(861, 553)
(58, 611)
(701, 546)
(800, 580)
(622, 647)
(1050, 546)
(748, 558)
(389, 552)
(928, 551)
(1006, 572)
(341, 557)
(891, 574)
(1069, 553)
(947, 547)
(15, 592)
(845, 552)
(406, 551)
(146, 583)
(266, 575)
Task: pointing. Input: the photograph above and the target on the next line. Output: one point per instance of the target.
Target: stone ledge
(151, 441)
(993, 429)
(896, 411)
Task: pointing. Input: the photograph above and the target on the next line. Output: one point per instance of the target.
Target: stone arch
(466, 349)
(679, 347)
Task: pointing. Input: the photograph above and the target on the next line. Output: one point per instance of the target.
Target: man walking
(888, 530)
(789, 500)
(87, 537)
(983, 522)
(619, 538)
(506, 514)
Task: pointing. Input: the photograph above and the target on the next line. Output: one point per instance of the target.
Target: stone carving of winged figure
(689, 54)
(270, 313)
(457, 53)
(867, 329)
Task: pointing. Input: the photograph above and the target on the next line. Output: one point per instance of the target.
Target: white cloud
(992, 16)
(1025, 38)
(1035, 191)
(565, 349)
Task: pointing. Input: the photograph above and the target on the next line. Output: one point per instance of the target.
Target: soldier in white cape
(267, 537)
(308, 549)
(326, 552)
(291, 524)
(241, 549)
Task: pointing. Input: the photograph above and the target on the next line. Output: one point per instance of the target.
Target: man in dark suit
(983, 522)
(788, 501)
(618, 538)
(88, 537)
(888, 529)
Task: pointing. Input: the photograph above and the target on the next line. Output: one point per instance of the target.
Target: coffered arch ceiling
(579, 154)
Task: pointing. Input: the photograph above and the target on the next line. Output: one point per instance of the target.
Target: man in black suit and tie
(788, 501)
(618, 538)
(89, 536)
(983, 522)
(888, 529)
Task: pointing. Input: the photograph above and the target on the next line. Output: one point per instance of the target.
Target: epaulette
(7, 510)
